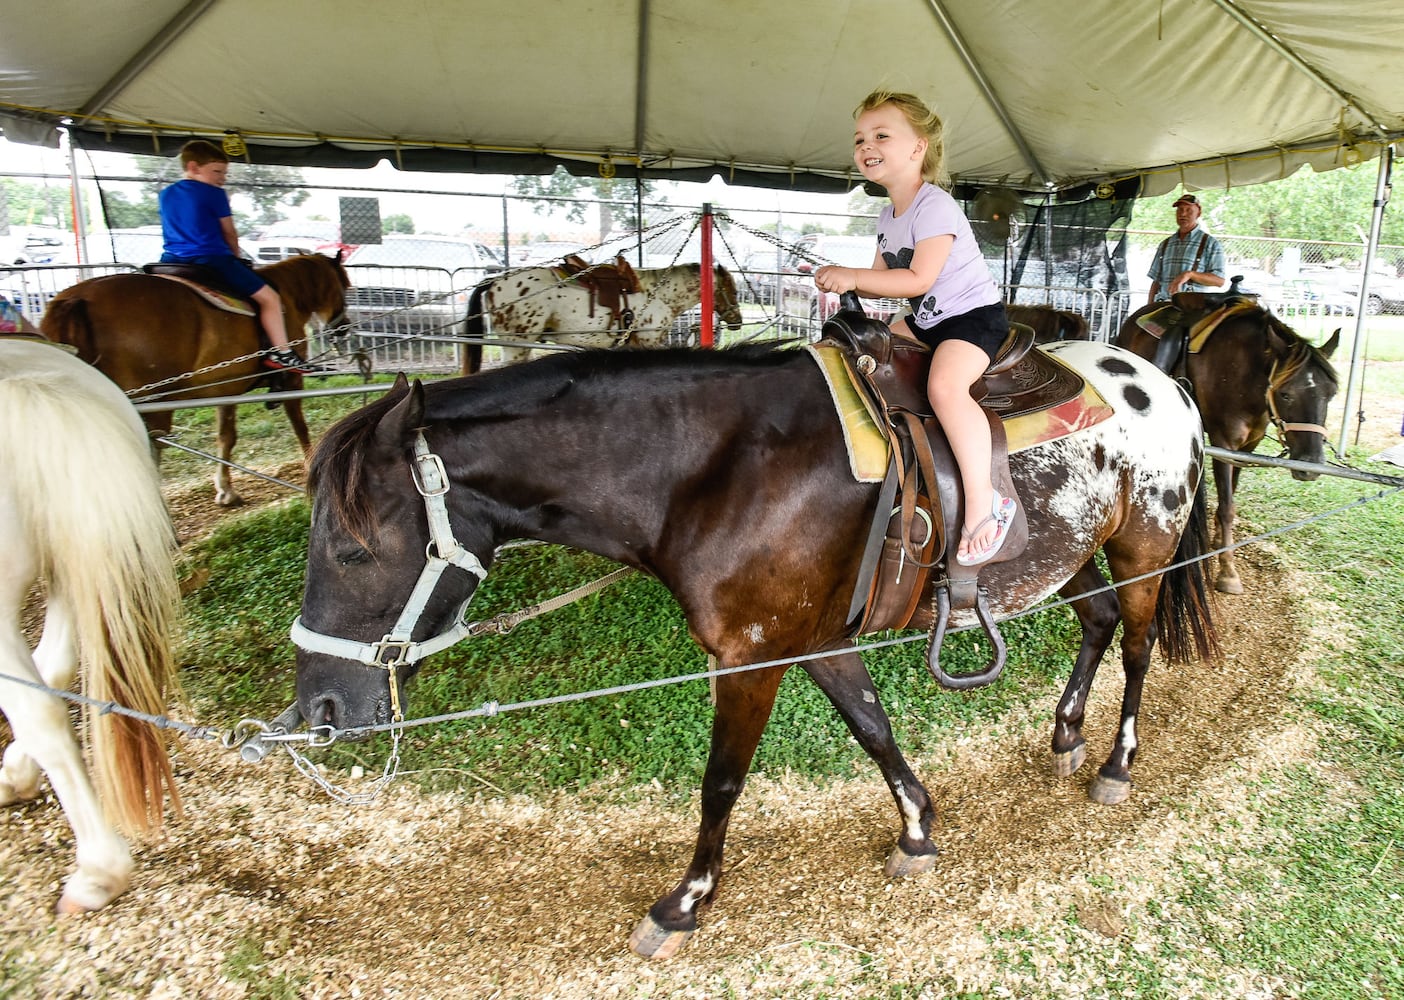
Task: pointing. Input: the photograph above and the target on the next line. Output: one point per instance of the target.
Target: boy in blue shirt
(198, 228)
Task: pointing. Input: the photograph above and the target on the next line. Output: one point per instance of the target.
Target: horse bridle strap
(1283, 426)
(444, 550)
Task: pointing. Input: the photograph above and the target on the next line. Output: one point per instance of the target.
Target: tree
(860, 203)
(397, 224)
(271, 188)
(564, 192)
(1334, 206)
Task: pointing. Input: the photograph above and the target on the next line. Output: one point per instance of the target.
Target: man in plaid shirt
(1189, 261)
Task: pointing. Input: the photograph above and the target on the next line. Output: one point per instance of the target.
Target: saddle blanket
(1158, 321)
(867, 446)
(229, 303)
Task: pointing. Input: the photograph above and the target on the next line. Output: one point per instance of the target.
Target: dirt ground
(459, 896)
(267, 882)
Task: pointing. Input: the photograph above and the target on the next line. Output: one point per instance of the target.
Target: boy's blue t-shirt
(190, 219)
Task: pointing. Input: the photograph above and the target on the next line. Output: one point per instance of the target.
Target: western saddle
(609, 285)
(920, 509)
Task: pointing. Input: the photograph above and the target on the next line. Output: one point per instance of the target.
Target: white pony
(544, 304)
(81, 513)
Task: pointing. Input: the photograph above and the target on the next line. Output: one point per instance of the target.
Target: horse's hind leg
(743, 705)
(1098, 614)
(846, 682)
(43, 739)
(293, 409)
(227, 435)
(1112, 785)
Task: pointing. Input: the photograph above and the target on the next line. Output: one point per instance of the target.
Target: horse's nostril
(323, 712)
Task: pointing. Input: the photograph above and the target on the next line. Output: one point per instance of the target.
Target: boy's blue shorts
(236, 274)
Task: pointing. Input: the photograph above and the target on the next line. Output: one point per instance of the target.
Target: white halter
(443, 551)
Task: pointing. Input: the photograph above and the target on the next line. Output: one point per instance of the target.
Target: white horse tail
(88, 497)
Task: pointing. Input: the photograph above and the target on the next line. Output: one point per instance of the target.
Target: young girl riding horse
(926, 253)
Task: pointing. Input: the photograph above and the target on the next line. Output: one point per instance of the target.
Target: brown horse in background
(1252, 370)
(1049, 324)
(162, 338)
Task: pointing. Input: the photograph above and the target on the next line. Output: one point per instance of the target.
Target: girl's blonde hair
(923, 120)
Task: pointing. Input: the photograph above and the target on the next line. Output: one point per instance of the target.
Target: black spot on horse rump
(1137, 397)
(1116, 366)
(1171, 499)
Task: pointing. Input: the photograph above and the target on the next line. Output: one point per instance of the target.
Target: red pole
(706, 336)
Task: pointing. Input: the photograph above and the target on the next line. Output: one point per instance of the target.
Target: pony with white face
(544, 305)
(81, 515)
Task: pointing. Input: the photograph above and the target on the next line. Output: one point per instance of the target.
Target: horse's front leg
(743, 705)
(226, 435)
(293, 409)
(845, 680)
(1098, 614)
(1225, 484)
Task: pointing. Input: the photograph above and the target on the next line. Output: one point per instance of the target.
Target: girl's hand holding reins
(831, 278)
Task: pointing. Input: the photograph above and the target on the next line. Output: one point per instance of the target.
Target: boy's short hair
(201, 151)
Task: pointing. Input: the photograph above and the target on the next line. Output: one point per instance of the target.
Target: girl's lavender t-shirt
(965, 282)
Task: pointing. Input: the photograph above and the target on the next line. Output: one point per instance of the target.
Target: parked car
(295, 236)
(415, 285)
(1385, 294)
(804, 308)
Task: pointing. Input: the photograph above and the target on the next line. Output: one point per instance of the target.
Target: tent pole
(706, 335)
(1376, 221)
(80, 227)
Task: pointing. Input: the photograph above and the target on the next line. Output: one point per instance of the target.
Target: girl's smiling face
(886, 145)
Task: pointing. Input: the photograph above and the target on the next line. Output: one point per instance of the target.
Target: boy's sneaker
(283, 359)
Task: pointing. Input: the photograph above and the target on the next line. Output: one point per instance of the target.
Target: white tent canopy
(1036, 94)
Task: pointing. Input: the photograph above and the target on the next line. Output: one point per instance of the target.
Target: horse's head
(367, 599)
(1301, 385)
(313, 285)
(726, 299)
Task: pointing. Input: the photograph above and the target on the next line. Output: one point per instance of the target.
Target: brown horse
(1253, 370)
(724, 474)
(1049, 324)
(159, 339)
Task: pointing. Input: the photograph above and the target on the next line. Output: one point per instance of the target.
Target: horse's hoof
(83, 895)
(652, 940)
(1065, 764)
(900, 864)
(1228, 585)
(1109, 791)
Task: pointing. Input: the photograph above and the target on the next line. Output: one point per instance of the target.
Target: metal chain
(252, 730)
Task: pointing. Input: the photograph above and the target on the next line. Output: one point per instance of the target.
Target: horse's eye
(353, 557)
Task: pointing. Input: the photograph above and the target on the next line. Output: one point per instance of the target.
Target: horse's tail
(1182, 613)
(66, 321)
(89, 498)
(474, 329)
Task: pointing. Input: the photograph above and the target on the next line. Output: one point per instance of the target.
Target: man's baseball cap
(1186, 199)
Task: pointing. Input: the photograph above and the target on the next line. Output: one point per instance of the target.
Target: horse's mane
(1300, 351)
(339, 461)
(307, 277)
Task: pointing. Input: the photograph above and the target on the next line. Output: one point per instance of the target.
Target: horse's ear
(402, 420)
(1329, 348)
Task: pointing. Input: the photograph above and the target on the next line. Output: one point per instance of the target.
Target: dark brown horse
(1049, 324)
(724, 474)
(145, 332)
(1252, 371)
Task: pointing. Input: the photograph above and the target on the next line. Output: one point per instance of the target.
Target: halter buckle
(390, 653)
(430, 477)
